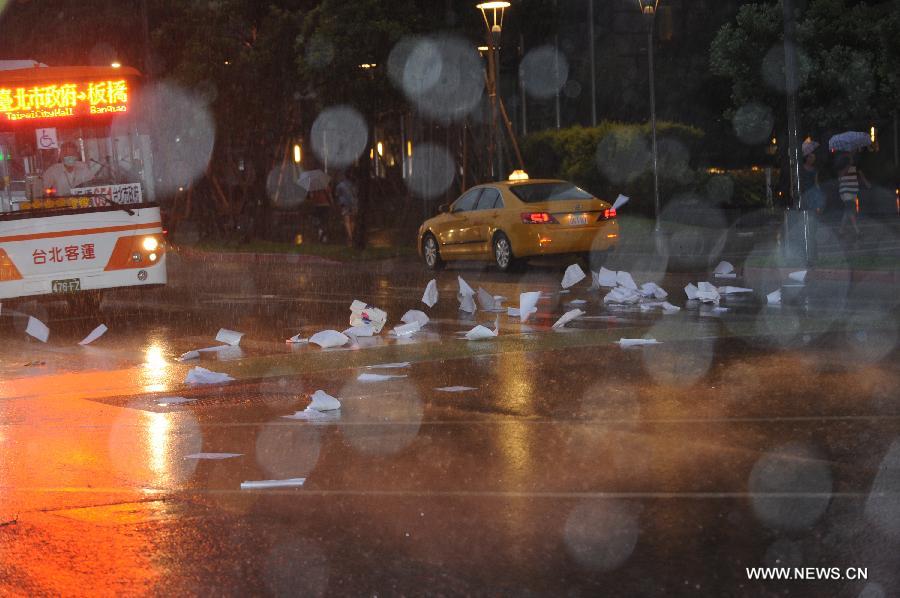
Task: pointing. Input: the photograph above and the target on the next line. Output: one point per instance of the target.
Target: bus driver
(69, 172)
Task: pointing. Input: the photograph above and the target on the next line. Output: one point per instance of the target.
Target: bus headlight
(150, 244)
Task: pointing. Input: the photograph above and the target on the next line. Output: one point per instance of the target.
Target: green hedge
(614, 158)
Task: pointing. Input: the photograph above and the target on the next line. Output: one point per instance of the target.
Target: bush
(614, 158)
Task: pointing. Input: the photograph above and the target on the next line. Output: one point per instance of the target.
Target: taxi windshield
(540, 192)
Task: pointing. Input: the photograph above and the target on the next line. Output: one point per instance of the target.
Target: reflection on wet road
(568, 464)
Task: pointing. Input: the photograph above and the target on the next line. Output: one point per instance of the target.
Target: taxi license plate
(69, 285)
(578, 219)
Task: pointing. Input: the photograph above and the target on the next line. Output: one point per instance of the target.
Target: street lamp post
(648, 9)
(492, 13)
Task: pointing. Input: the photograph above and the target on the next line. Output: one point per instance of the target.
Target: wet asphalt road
(756, 436)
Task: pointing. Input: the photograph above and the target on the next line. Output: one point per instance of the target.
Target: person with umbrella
(318, 192)
(849, 178)
(811, 195)
(349, 204)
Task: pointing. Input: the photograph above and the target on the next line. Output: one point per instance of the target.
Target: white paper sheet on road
(362, 314)
(199, 375)
(406, 330)
(37, 329)
(322, 401)
(365, 377)
(620, 201)
(329, 338)
(704, 291)
(528, 304)
(414, 315)
(512, 312)
(567, 317)
(94, 335)
(729, 275)
(637, 342)
(229, 337)
(213, 456)
(430, 296)
(465, 296)
(483, 332)
(384, 366)
(691, 291)
(624, 279)
(723, 268)
(166, 401)
(359, 331)
(798, 276)
(577, 302)
(455, 388)
(726, 290)
(314, 415)
(195, 354)
(604, 278)
(774, 298)
(622, 295)
(297, 339)
(669, 308)
(488, 302)
(651, 289)
(261, 484)
(574, 274)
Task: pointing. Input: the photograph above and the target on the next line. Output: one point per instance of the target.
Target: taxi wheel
(503, 254)
(432, 253)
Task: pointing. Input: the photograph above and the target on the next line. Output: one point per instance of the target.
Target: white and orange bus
(102, 232)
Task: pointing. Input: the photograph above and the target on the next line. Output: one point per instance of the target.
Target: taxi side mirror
(444, 208)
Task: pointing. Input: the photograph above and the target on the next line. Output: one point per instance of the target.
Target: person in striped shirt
(849, 178)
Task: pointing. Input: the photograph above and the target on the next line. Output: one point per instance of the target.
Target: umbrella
(313, 180)
(849, 141)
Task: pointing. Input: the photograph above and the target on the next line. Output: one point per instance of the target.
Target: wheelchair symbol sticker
(46, 138)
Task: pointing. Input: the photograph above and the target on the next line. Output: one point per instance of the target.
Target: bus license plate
(578, 219)
(69, 285)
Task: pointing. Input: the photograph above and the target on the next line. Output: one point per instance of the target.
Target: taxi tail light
(538, 218)
(607, 214)
(8, 270)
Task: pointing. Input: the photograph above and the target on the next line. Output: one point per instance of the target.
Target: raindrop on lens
(339, 136)
(753, 123)
(543, 72)
(434, 170)
(601, 535)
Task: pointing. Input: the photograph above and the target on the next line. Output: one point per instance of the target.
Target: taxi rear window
(540, 192)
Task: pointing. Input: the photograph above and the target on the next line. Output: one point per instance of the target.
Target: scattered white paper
(651, 289)
(637, 342)
(774, 298)
(799, 276)
(604, 278)
(401, 364)
(358, 331)
(362, 314)
(329, 338)
(166, 401)
(577, 302)
(567, 317)
(322, 401)
(483, 332)
(214, 456)
(314, 415)
(199, 375)
(229, 337)
(430, 296)
(733, 290)
(378, 377)
(729, 275)
(620, 201)
(704, 291)
(259, 484)
(512, 312)
(528, 304)
(691, 291)
(37, 329)
(94, 335)
(624, 279)
(406, 330)
(622, 295)
(723, 268)
(574, 274)
(414, 315)
(706, 287)
(488, 302)
(455, 388)
(669, 308)
(465, 296)
(297, 339)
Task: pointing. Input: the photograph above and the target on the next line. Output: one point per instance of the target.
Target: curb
(237, 257)
(891, 277)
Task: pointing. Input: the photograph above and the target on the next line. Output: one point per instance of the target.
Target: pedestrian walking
(321, 202)
(348, 202)
(812, 198)
(849, 179)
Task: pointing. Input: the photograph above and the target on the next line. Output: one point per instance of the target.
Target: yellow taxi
(507, 222)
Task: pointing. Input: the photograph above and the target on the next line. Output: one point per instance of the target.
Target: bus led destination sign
(64, 100)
